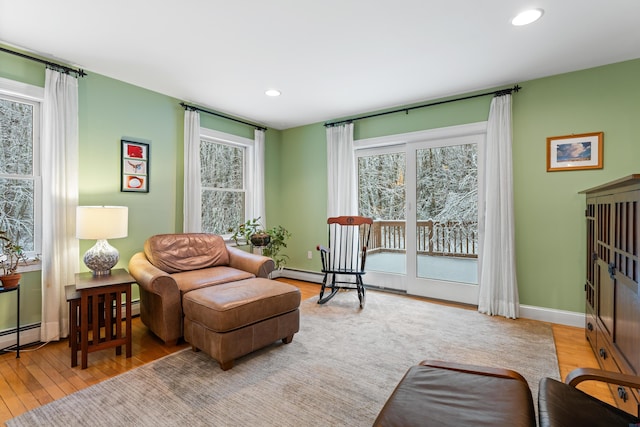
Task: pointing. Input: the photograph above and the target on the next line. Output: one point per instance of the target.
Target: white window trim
(35, 95)
(22, 90)
(421, 135)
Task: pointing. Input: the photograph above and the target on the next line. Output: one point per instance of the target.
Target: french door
(423, 194)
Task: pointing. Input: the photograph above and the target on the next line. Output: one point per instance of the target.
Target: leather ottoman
(450, 394)
(231, 320)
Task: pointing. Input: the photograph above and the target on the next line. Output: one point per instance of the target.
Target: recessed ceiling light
(527, 17)
(272, 92)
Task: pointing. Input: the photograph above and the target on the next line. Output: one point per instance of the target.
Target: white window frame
(248, 145)
(34, 95)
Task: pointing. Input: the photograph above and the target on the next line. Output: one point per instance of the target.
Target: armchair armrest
(260, 266)
(579, 375)
(474, 369)
(161, 300)
(152, 279)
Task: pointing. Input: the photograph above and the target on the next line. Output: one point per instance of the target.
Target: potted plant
(278, 235)
(251, 231)
(12, 254)
(271, 241)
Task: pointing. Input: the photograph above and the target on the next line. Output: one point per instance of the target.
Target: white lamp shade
(102, 222)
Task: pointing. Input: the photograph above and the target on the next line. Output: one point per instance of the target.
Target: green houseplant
(272, 240)
(12, 254)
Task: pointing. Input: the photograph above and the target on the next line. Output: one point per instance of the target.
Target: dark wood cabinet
(612, 318)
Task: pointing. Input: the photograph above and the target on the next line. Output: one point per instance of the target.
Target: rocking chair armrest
(322, 249)
(323, 252)
(364, 258)
(579, 375)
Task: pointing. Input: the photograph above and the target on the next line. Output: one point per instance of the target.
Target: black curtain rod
(194, 108)
(78, 72)
(500, 92)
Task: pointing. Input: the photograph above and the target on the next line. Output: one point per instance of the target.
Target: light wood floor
(45, 374)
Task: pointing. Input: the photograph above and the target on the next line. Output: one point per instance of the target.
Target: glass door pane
(447, 213)
(382, 196)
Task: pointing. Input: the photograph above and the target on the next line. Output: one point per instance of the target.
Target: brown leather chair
(172, 265)
(563, 405)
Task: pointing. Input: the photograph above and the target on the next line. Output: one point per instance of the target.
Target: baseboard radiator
(30, 334)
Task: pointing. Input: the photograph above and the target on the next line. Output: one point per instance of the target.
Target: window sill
(32, 265)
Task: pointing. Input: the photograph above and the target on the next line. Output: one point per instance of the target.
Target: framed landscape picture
(135, 167)
(575, 152)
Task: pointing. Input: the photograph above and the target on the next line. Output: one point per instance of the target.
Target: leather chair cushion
(173, 253)
(188, 281)
(560, 404)
(234, 305)
(432, 396)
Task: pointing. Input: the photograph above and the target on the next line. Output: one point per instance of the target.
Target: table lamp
(101, 223)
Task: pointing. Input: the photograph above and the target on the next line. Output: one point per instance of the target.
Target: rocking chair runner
(346, 255)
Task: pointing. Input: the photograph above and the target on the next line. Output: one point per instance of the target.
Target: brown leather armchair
(174, 264)
(563, 405)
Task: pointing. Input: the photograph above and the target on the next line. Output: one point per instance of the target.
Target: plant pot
(10, 280)
(260, 239)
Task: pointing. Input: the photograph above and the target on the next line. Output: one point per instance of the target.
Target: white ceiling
(330, 58)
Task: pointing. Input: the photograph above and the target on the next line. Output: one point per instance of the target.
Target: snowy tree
(446, 192)
(222, 178)
(16, 172)
(447, 184)
(381, 184)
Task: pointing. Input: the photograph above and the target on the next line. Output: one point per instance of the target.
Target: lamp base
(101, 258)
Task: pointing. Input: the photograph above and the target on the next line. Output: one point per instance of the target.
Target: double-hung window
(20, 185)
(226, 181)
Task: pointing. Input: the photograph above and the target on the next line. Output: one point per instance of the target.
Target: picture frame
(134, 163)
(575, 152)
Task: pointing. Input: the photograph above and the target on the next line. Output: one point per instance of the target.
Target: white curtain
(60, 248)
(341, 171)
(192, 222)
(342, 188)
(258, 197)
(498, 284)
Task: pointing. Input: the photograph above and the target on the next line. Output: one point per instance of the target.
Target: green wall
(549, 211)
(110, 110)
(550, 225)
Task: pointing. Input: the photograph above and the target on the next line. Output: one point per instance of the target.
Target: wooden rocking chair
(346, 255)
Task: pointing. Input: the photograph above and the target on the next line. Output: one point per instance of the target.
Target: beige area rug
(338, 371)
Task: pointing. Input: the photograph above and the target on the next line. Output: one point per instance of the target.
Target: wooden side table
(17, 288)
(99, 311)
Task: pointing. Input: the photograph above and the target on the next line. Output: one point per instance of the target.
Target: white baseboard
(30, 334)
(562, 317)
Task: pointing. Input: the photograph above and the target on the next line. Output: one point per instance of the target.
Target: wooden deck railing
(433, 238)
